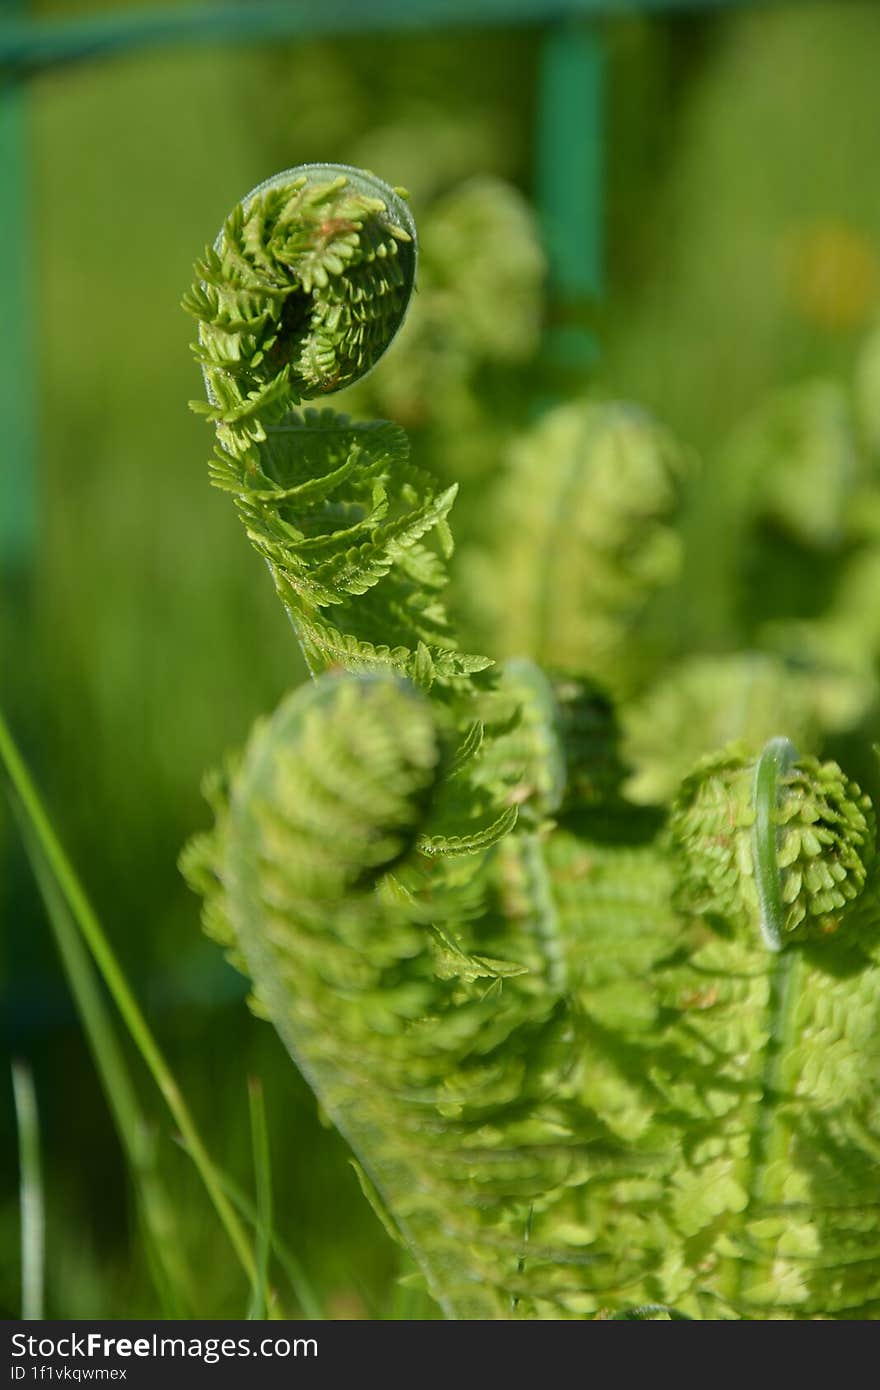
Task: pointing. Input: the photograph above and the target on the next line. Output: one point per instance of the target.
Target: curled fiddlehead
(316, 267)
(304, 288)
(781, 842)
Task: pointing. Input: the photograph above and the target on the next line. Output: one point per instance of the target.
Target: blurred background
(720, 265)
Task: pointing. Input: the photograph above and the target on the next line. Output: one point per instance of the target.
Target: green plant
(716, 601)
(591, 1059)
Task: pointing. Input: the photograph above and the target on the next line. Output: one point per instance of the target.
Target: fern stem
(92, 932)
(768, 1133)
(776, 758)
(545, 915)
(785, 982)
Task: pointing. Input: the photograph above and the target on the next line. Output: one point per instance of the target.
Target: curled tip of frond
(304, 288)
(340, 776)
(781, 844)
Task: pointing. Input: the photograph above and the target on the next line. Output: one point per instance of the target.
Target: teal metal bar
(569, 183)
(17, 390)
(570, 163)
(29, 45)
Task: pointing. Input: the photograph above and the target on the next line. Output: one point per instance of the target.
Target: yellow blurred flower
(833, 275)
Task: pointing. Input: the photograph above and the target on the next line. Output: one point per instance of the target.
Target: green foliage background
(739, 151)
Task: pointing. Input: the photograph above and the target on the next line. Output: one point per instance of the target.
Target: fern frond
(584, 538)
(706, 702)
(465, 1106)
(587, 1065)
(800, 456)
(648, 1088)
(303, 290)
(781, 853)
(480, 307)
(819, 826)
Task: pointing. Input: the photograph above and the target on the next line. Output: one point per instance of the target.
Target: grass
(31, 1189)
(68, 907)
(87, 956)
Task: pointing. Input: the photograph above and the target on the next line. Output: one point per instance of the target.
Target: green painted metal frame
(17, 379)
(18, 503)
(28, 45)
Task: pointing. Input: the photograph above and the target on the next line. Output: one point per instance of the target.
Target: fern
(433, 1034)
(705, 702)
(478, 252)
(276, 312)
(586, 537)
(593, 1061)
(782, 851)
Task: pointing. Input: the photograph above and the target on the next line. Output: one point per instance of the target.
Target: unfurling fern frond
(303, 290)
(776, 855)
(423, 1007)
(356, 539)
(784, 843)
(317, 266)
(570, 1093)
(590, 1065)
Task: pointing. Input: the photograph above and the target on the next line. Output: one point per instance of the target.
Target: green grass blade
(300, 1283)
(33, 1224)
(260, 1299)
(88, 925)
(171, 1276)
